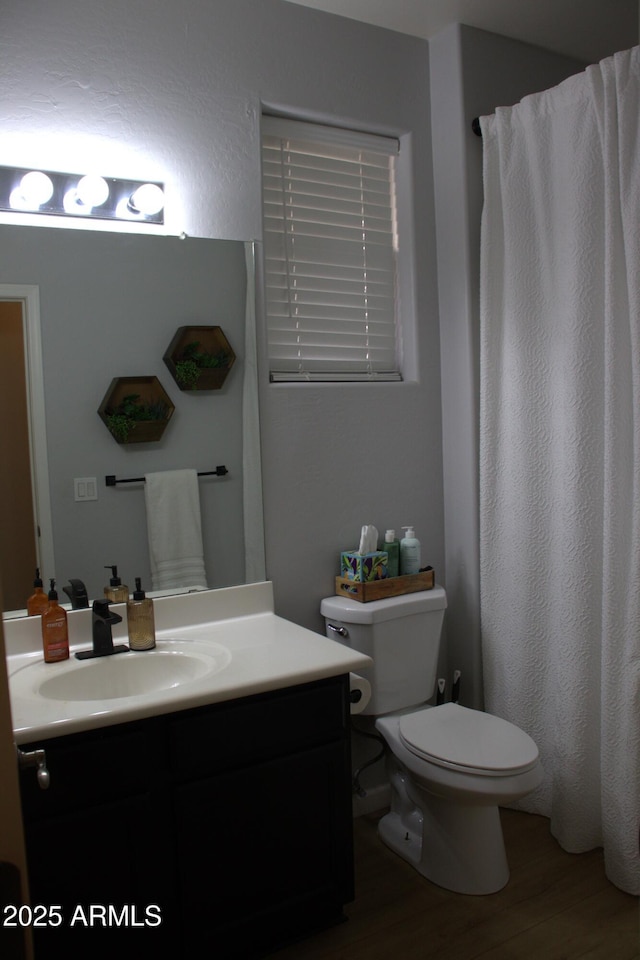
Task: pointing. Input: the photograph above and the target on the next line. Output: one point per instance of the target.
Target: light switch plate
(85, 488)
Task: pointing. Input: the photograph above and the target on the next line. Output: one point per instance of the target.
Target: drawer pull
(37, 759)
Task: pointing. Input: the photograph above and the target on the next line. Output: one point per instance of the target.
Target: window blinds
(330, 252)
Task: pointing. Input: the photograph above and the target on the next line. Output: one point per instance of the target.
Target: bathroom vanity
(213, 821)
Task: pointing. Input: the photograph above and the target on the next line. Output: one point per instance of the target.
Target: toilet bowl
(450, 768)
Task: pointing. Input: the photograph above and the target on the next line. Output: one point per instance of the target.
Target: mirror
(97, 306)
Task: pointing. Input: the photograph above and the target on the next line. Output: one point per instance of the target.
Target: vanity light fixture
(90, 196)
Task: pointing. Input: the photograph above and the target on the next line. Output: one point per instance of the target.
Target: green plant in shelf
(122, 419)
(193, 361)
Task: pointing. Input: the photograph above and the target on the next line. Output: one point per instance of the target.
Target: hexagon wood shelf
(191, 343)
(150, 393)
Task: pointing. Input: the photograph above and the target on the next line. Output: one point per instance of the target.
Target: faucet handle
(77, 593)
(101, 610)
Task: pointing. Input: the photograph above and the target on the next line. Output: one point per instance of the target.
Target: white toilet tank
(401, 635)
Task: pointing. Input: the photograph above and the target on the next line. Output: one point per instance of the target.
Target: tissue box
(364, 567)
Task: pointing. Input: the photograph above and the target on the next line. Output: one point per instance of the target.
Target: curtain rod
(111, 480)
(475, 126)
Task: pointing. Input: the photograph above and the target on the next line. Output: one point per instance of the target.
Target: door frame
(29, 296)
(12, 846)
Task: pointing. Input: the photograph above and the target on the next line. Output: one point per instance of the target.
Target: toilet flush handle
(341, 631)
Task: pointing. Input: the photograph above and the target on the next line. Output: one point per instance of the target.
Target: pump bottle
(392, 548)
(409, 553)
(117, 591)
(55, 636)
(140, 620)
(38, 601)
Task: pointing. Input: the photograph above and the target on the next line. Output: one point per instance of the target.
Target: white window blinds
(330, 252)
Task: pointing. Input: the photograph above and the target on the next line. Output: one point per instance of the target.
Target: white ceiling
(588, 30)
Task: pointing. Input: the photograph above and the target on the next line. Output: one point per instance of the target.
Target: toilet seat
(468, 740)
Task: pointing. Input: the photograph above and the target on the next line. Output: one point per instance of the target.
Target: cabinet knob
(37, 759)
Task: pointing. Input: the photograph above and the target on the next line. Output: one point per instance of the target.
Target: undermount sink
(173, 664)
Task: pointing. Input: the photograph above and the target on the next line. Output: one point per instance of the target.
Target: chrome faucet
(102, 620)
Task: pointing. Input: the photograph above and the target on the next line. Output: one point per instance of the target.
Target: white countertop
(261, 652)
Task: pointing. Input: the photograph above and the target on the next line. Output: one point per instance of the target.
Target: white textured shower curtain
(560, 448)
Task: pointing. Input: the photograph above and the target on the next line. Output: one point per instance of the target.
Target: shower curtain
(560, 448)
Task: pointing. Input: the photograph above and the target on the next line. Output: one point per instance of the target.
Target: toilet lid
(454, 736)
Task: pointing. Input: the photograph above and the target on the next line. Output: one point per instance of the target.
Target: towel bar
(111, 479)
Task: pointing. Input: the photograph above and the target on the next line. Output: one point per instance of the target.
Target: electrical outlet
(85, 488)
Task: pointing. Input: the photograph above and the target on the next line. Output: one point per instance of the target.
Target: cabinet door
(95, 847)
(265, 853)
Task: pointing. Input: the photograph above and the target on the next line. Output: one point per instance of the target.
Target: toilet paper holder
(359, 693)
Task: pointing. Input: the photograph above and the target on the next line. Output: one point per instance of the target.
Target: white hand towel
(174, 528)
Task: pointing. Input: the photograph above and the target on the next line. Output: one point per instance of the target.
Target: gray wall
(174, 91)
(472, 73)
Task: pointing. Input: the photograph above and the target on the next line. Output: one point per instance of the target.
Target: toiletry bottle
(55, 636)
(392, 548)
(37, 602)
(140, 620)
(409, 553)
(117, 591)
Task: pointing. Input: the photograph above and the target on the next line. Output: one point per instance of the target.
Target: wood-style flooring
(556, 906)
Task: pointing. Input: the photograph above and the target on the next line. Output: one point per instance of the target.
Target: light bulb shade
(35, 188)
(147, 199)
(93, 190)
(88, 196)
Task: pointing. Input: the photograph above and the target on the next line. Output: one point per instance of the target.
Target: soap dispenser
(409, 553)
(117, 591)
(140, 620)
(392, 548)
(55, 636)
(38, 601)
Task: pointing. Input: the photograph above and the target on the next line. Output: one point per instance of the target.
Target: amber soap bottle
(117, 591)
(55, 636)
(37, 602)
(140, 620)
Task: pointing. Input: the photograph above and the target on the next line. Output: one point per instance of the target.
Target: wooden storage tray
(389, 587)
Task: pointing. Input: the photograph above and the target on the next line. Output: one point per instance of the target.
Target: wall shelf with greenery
(136, 409)
(199, 358)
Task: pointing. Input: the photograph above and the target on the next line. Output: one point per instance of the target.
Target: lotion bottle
(38, 601)
(117, 591)
(55, 636)
(392, 547)
(409, 553)
(140, 620)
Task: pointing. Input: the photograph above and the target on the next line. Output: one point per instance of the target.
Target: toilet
(450, 768)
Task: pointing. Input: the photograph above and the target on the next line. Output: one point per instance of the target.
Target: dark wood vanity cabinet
(231, 822)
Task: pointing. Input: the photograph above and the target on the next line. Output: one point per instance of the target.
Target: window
(330, 244)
